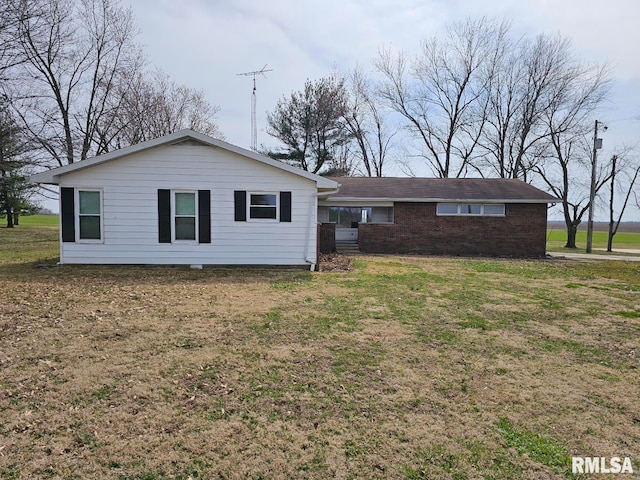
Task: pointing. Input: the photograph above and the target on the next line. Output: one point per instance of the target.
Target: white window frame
(173, 217)
(481, 214)
(447, 214)
(263, 220)
(77, 215)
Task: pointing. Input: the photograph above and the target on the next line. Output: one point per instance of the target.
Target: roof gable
(183, 137)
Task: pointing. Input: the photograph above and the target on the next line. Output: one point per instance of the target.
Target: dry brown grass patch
(400, 368)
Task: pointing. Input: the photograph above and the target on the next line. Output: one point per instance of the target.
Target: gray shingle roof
(440, 189)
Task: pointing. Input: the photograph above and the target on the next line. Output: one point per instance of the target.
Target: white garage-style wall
(130, 220)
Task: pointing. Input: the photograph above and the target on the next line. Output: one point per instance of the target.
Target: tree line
(74, 84)
(476, 101)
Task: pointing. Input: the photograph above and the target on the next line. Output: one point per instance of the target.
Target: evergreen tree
(15, 191)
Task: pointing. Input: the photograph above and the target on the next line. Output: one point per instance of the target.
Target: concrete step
(347, 248)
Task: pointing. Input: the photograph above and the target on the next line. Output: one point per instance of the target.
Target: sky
(205, 43)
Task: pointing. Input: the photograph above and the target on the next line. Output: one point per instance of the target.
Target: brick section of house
(327, 237)
(521, 232)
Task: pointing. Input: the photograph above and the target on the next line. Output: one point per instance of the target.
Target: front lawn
(406, 367)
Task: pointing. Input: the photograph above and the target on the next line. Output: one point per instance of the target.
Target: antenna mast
(254, 128)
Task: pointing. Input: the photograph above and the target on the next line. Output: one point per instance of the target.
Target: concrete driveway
(628, 255)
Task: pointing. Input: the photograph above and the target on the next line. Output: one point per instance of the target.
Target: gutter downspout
(60, 242)
(313, 204)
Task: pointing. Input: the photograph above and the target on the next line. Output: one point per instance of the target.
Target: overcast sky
(206, 43)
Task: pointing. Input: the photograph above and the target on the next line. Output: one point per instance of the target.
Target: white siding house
(187, 199)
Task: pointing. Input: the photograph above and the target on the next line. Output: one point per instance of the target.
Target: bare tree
(10, 54)
(75, 51)
(576, 95)
(150, 106)
(630, 173)
(343, 162)
(309, 124)
(566, 174)
(526, 78)
(367, 123)
(443, 93)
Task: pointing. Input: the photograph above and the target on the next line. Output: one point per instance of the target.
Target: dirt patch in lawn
(334, 262)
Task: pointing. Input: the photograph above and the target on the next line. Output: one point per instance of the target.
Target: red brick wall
(327, 237)
(522, 232)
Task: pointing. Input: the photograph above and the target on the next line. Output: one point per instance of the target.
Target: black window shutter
(67, 198)
(285, 206)
(204, 216)
(240, 209)
(164, 216)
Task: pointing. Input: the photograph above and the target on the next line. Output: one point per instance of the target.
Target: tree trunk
(9, 218)
(16, 218)
(611, 199)
(572, 230)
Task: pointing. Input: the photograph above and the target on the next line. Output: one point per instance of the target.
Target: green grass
(556, 240)
(538, 447)
(406, 367)
(35, 242)
(34, 220)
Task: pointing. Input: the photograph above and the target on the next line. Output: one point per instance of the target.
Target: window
(447, 209)
(346, 217)
(382, 215)
(89, 215)
(496, 209)
(470, 209)
(263, 206)
(350, 217)
(185, 215)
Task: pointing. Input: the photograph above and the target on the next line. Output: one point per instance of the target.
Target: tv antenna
(254, 129)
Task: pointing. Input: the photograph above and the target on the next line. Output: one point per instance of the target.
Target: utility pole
(597, 144)
(254, 127)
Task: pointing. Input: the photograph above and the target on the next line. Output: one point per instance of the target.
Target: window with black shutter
(184, 216)
(262, 206)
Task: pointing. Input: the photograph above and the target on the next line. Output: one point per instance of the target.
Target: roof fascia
(363, 200)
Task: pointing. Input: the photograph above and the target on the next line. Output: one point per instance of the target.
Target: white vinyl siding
(130, 210)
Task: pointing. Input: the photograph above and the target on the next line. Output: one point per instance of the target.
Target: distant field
(36, 220)
(405, 368)
(557, 238)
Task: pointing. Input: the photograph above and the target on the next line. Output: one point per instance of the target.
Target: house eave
(365, 200)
